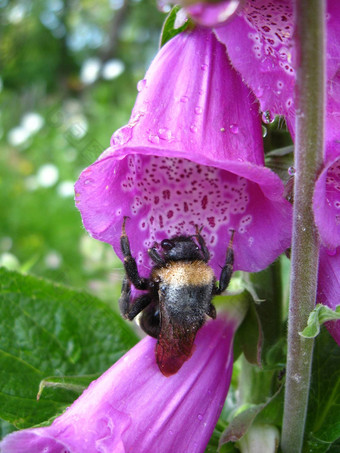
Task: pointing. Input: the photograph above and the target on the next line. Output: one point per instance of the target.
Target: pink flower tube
(134, 408)
(191, 155)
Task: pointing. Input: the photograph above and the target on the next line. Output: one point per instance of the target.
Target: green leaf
(248, 414)
(45, 330)
(266, 289)
(323, 418)
(279, 160)
(249, 336)
(170, 28)
(317, 317)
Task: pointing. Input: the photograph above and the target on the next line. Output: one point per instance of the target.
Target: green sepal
(247, 414)
(317, 317)
(169, 31)
(72, 383)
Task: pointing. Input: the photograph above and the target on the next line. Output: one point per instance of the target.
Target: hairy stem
(309, 144)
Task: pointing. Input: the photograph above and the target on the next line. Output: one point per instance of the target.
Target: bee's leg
(227, 269)
(131, 308)
(211, 311)
(130, 264)
(155, 256)
(150, 320)
(202, 244)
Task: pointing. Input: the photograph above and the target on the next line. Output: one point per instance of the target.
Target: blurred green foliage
(69, 70)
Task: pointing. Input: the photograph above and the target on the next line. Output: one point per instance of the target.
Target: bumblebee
(178, 297)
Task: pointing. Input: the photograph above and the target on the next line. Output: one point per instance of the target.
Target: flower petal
(333, 81)
(259, 45)
(326, 205)
(213, 14)
(191, 154)
(133, 407)
(329, 286)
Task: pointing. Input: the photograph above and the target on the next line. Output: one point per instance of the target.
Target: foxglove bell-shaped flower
(191, 154)
(134, 408)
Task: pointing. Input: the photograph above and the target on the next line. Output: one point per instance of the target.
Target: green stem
(309, 143)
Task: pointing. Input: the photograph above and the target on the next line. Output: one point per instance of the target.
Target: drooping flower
(132, 407)
(192, 153)
(261, 45)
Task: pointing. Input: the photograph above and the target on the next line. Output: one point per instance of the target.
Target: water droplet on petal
(200, 416)
(165, 134)
(184, 99)
(122, 136)
(193, 128)
(264, 131)
(291, 171)
(198, 110)
(141, 85)
(204, 67)
(153, 139)
(267, 117)
(234, 128)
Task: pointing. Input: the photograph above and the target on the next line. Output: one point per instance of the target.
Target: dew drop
(200, 417)
(171, 432)
(204, 67)
(122, 136)
(184, 99)
(264, 131)
(165, 134)
(267, 117)
(153, 139)
(291, 171)
(234, 128)
(193, 128)
(198, 110)
(141, 85)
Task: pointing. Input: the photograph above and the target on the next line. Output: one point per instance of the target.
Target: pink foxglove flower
(134, 408)
(191, 153)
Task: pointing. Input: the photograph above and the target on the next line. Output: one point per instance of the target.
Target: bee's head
(181, 248)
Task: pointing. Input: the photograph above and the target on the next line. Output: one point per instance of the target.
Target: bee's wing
(175, 342)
